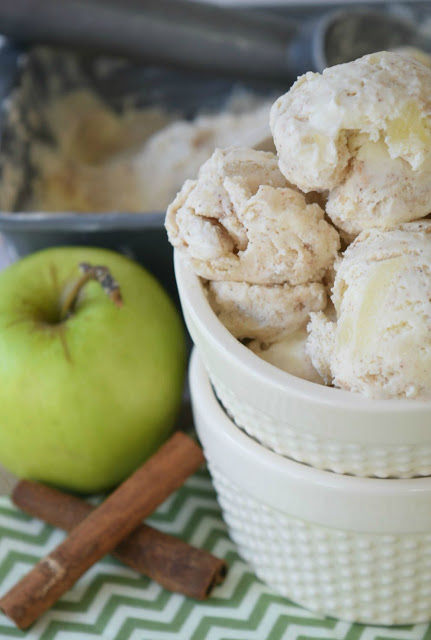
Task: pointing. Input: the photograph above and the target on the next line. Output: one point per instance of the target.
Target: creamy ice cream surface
(289, 354)
(380, 343)
(417, 54)
(361, 131)
(379, 192)
(264, 312)
(91, 166)
(136, 160)
(176, 153)
(241, 221)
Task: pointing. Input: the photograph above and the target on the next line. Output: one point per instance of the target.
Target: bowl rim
(372, 505)
(198, 307)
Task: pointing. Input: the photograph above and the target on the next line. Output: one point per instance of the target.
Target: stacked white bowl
(284, 453)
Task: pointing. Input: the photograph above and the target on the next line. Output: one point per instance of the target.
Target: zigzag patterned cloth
(114, 603)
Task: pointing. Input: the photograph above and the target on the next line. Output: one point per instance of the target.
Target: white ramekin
(358, 549)
(324, 427)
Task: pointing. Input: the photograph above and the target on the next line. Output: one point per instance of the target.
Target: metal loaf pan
(24, 89)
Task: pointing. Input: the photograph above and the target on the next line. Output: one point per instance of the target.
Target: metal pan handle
(176, 32)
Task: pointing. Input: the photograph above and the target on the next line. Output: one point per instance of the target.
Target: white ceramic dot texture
(340, 457)
(328, 578)
(353, 548)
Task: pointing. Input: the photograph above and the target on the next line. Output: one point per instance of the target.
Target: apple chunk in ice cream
(362, 132)
(88, 390)
(380, 343)
(289, 354)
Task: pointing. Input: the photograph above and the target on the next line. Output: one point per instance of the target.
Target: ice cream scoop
(361, 131)
(380, 343)
(242, 221)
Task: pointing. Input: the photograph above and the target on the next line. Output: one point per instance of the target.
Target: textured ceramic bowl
(355, 548)
(324, 427)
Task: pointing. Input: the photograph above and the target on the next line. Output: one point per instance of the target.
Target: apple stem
(100, 274)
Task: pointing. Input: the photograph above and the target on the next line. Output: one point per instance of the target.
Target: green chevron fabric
(113, 602)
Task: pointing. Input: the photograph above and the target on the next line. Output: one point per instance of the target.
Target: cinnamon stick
(172, 563)
(102, 530)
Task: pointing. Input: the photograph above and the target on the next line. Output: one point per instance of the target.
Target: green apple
(88, 388)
